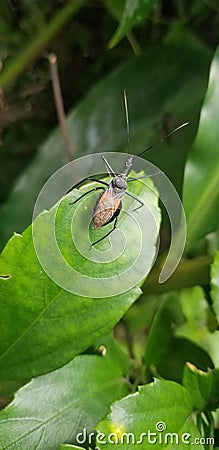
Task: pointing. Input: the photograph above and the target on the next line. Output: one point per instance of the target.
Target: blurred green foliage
(165, 54)
(81, 47)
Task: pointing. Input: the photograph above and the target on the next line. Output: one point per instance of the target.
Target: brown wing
(104, 209)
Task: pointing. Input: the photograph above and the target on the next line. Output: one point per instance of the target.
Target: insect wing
(106, 208)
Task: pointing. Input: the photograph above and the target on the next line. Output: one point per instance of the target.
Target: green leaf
(201, 184)
(134, 13)
(115, 8)
(98, 123)
(166, 353)
(55, 407)
(196, 310)
(52, 312)
(164, 408)
(203, 386)
(108, 344)
(215, 284)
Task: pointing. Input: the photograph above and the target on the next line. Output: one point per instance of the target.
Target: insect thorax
(119, 184)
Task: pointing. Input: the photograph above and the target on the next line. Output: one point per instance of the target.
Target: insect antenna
(127, 119)
(164, 138)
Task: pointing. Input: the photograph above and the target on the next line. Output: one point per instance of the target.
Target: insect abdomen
(105, 210)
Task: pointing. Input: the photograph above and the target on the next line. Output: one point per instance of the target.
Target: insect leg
(109, 168)
(88, 192)
(136, 179)
(101, 239)
(137, 200)
(144, 176)
(86, 179)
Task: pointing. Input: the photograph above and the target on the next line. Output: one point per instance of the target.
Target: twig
(59, 103)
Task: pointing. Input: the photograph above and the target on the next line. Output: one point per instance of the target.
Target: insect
(109, 203)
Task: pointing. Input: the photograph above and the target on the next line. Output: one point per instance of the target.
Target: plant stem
(190, 272)
(16, 67)
(211, 430)
(134, 43)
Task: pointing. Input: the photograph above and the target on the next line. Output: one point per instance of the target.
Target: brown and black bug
(109, 203)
